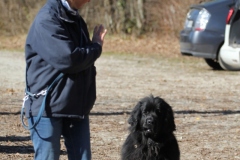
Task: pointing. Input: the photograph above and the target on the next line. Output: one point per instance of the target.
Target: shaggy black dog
(151, 132)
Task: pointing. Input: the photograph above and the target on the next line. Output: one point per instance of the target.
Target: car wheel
(213, 64)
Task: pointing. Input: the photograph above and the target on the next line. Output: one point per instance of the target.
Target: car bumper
(200, 44)
(231, 56)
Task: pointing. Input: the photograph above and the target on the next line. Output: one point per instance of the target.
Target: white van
(229, 55)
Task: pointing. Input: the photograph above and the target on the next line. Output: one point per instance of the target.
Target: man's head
(77, 4)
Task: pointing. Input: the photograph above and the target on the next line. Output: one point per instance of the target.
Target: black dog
(151, 132)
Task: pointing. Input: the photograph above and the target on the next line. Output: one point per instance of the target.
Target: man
(58, 43)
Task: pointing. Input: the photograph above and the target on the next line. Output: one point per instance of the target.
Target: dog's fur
(151, 132)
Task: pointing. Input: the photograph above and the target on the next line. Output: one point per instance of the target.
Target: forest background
(155, 19)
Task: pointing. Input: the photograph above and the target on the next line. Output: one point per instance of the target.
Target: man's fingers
(99, 34)
(95, 30)
(99, 29)
(104, 33)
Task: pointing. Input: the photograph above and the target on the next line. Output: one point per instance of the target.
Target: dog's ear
(135, 117)
(168, 118)
(167, 114)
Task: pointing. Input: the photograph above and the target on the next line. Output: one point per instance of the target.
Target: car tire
(213, 64)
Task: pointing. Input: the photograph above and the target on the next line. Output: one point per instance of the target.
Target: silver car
(203, 33)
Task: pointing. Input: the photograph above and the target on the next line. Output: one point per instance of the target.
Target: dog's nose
(149, 121)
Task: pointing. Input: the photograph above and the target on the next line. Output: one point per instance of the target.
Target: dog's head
(152, 116)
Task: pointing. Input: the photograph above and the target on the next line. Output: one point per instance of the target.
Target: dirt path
(206, 104)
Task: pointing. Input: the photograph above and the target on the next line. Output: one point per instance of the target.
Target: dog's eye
(158, 110)
(145, 113)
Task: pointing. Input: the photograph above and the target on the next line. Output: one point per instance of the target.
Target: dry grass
(166, 46)
(12, 42)
(163, 25)
(162, 16)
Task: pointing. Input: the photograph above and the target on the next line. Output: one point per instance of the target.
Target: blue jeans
(46, 138)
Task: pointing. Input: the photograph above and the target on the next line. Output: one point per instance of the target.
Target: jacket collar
(63, 13)
(67, 6)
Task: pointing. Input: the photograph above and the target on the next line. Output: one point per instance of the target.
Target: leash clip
(24, 100)
(42, 93)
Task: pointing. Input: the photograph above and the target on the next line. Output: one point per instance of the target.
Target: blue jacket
(58, 42)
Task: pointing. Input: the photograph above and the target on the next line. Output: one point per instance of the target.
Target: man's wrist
(98, 43)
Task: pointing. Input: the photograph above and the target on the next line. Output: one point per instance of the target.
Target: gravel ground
(205, 103)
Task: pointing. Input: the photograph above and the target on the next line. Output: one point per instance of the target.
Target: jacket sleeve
(52, 42)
